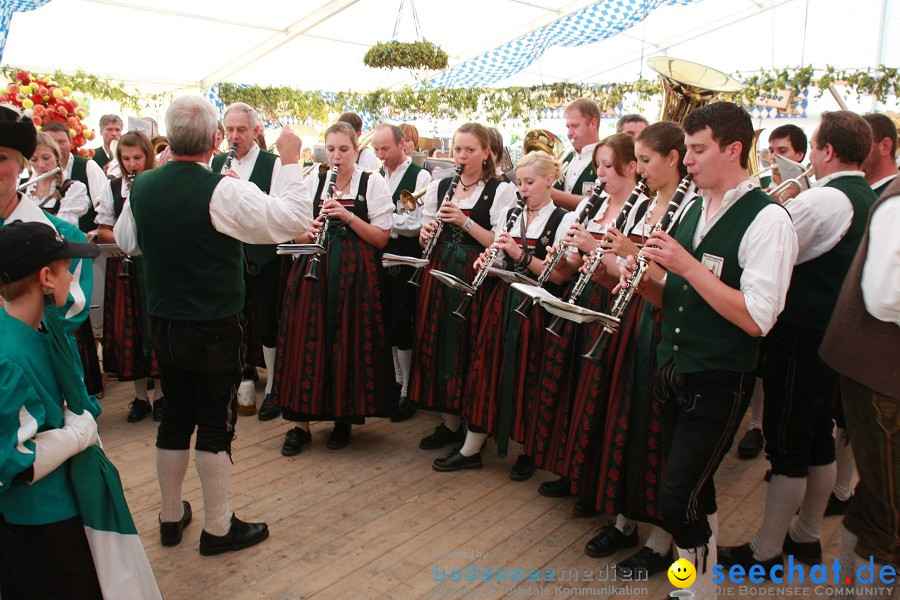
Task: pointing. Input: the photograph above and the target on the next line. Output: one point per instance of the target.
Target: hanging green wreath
(420, 54)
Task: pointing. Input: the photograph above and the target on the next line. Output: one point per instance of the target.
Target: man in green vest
(401, 174)
(110, 129)
(801, 390)
(262, 269)
(728, 271)
(788, 141)
(880, 165)
(190, 226)
(583, 130)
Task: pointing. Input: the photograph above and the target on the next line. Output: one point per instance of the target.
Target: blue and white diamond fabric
(596, 22)
(7, 8)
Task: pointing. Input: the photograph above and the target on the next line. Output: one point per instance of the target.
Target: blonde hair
(543, 163)
(44, 139)
(410, 133)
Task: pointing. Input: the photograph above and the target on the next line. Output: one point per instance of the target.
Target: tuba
(687, 86)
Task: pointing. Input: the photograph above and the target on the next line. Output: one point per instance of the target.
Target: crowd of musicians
(719, 291)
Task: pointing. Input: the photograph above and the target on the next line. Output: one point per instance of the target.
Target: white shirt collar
(824, 180)
(251, 155)
(884, 180)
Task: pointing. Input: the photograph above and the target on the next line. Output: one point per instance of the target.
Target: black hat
(26, 248)
(17, 131)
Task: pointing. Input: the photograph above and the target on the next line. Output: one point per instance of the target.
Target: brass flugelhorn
(312, 269)
(626, 294)
(431, 244)
(412, 200)
(587, 213)
(480, 276)
(556, 325)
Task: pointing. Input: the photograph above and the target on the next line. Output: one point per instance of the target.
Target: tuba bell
(687, 86)
(541, 139)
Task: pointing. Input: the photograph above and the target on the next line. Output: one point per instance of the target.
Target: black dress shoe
(170, 532)
(339, 436)
(610, 540)
(158, 409)
(268, 410)
(643, 564)
(809, 553)
(523, 469)
(586, 507)
(441, 437)
(294, 440)
(137, 410)
(560, 488)
(456, 461)
(405, 410)
(751, 444)
(836, 506)
(241, 535)
(743, 555)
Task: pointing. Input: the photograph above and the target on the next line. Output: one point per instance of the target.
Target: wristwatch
(468, 224)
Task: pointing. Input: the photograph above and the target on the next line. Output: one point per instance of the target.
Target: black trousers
(46, 562)
(801, 391)
(262, 299)
(700, 414)
(400, 298)
(199, 368)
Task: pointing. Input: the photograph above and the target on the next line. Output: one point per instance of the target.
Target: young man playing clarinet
(728, 271)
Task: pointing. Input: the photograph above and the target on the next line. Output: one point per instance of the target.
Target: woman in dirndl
(332, 359)
(506, 350)
(633, 460)
(126, 347)
(443, 343)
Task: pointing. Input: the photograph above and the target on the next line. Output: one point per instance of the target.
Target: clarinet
(431, 244)
(626, 294)
(480, 276)
(556, 326)
(312, 270)
(125, 270)
(587, 213)
(229, 158)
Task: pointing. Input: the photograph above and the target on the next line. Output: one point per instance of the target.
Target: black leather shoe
(339, 436)
(560, 488)
(610, 540)
(241, 535)
(743, 555)
(268, 410)
(137, 410)
(441, 437)
(586, 507)
(158, 409)
(809, 553)
(456, 461)
(405, 410)
(751, 444)
(294, 440)
(836, 507)
(643, 564)
(170, 532)
(523, 469)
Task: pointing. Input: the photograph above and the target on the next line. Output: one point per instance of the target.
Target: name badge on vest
(713, 263)
(586, 188)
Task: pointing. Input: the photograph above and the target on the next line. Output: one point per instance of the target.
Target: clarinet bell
(595, 354)
(556, 326)
(524, 307)
(125, 270)
(417, 277)
(312, 269)
(463, 307)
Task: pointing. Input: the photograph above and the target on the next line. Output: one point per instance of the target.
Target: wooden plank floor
(374, 520)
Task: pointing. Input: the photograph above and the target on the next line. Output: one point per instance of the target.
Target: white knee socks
(756, 405)
(782, 501)
(140, 389)
(214, 470)
(703, 587)
(624, 524)
(404, 357)
(818, 487)
(846, 468)
(660, 541)
(171, 465)
(269, 358)
(473, 443)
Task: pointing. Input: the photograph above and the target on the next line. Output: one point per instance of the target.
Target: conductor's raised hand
(289, 146)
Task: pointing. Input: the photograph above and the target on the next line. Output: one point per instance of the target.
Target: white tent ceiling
(319, 44)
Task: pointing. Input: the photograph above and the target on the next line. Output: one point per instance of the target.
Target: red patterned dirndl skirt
(560, 368)
(601, 389)
(442, 344)
(332, 359)
(126, 349)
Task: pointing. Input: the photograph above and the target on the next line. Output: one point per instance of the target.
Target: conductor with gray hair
(188, 225)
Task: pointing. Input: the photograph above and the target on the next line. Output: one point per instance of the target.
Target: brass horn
(412, 200)
(687, 86)
(541, 139)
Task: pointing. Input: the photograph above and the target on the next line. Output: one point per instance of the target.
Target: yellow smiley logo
(682, 573)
